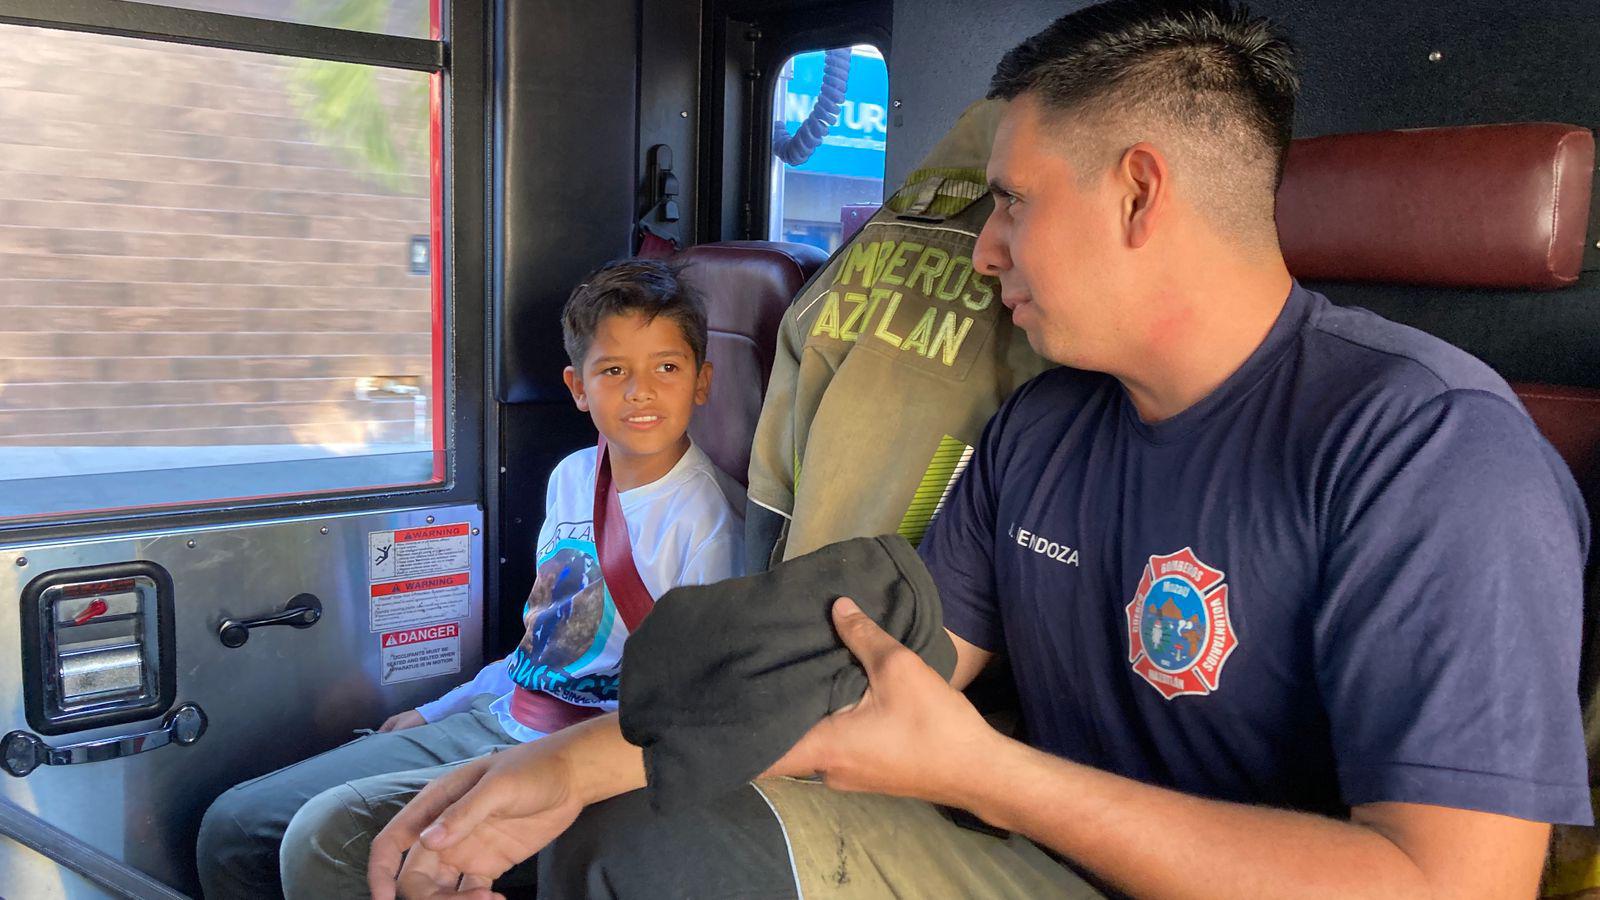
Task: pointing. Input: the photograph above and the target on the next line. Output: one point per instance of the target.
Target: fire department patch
(1179, 636)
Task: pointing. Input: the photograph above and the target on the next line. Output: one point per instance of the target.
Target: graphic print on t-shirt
(569, 620)
(1179, 634)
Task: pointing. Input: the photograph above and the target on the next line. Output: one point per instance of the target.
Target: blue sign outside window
(855, 145)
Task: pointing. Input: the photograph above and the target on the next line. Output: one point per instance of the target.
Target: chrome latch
(21, 752)
(98, 646)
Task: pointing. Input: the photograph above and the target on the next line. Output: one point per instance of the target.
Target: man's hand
(473, 824)
(401, 721)
(911, 735)
(496, 811)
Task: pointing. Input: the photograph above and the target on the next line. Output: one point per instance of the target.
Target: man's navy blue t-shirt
(1351, 574)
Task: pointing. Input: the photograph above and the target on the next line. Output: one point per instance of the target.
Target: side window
(830, 128)
(218, 272)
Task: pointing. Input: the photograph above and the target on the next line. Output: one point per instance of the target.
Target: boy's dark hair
(650, 287)
(1209, 66)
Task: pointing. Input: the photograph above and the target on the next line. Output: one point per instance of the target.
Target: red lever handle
(96, 607)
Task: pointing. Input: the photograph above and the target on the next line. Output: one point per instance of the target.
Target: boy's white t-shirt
(685, 527)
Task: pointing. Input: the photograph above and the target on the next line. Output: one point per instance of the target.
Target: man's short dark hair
(649, 287)
(1208, 66)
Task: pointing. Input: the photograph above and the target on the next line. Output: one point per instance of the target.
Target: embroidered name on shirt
(1179, 631)
(1043, 546)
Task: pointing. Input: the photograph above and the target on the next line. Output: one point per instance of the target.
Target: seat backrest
(1570, 419)
(1485, 206)
(746, 285)
(1488, 206)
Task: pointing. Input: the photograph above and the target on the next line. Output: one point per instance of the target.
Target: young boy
(636, 336)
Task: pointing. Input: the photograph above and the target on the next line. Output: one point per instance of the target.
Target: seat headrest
(1484, 206)
(746, 286)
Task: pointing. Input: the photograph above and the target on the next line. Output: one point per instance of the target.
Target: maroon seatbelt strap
(611, 541)
(540, 711)
(546, 714)
(653, 245)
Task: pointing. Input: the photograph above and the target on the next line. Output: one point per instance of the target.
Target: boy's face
(640, 385)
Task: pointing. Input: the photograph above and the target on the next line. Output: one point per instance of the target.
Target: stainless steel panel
(284, 695)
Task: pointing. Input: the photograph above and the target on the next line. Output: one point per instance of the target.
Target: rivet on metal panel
(474, 531)
(683, 114)
(897, 104)
(23, 560)
(430, 520)
(323, 529)
(191, 545)
(1435, 56)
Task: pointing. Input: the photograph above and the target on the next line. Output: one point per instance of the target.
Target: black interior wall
(1366, 66)
(748, 43)
(582, 91)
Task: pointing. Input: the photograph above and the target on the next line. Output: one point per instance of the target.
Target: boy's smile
(640, 385)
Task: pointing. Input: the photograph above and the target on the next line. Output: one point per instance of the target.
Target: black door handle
(303, 611)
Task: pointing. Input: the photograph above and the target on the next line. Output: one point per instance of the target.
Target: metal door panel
(285, 694)
(27, 876)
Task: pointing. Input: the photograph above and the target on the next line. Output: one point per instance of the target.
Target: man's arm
(970, 660)
(913, 735)
(518, 800)
(496, 811)
(1104, 822)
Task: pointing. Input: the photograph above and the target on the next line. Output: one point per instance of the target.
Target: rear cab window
(830, 126)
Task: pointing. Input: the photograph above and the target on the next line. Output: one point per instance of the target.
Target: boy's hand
(473, 824)
(401, 721)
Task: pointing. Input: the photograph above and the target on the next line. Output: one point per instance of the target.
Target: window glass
(216, 275)
(830, 129)
(405, 18)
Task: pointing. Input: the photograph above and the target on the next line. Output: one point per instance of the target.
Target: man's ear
(1148, 184)
(575, 385)
(702, 384)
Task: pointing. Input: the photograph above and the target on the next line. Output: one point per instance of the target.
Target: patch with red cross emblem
(1179, 636)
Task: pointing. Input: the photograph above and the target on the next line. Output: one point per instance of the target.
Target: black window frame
(791, 38)
(761, 138)
(462, 57)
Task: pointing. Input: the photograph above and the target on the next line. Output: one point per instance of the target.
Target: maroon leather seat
(1486, 206)
(1489, 206)
(747, 285)
(1483, 206)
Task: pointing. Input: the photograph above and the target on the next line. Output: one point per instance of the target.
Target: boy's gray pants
(317, 810)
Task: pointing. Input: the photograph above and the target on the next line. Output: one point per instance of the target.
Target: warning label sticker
(415, 552)
(421, 652)
(418, 575)
(420, 601)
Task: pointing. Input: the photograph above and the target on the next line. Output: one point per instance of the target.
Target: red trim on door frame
(436, 242)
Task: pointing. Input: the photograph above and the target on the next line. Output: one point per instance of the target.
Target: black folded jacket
(722, 679)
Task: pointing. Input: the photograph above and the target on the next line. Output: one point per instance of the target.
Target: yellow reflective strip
(949, 460)
(1572, 876)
